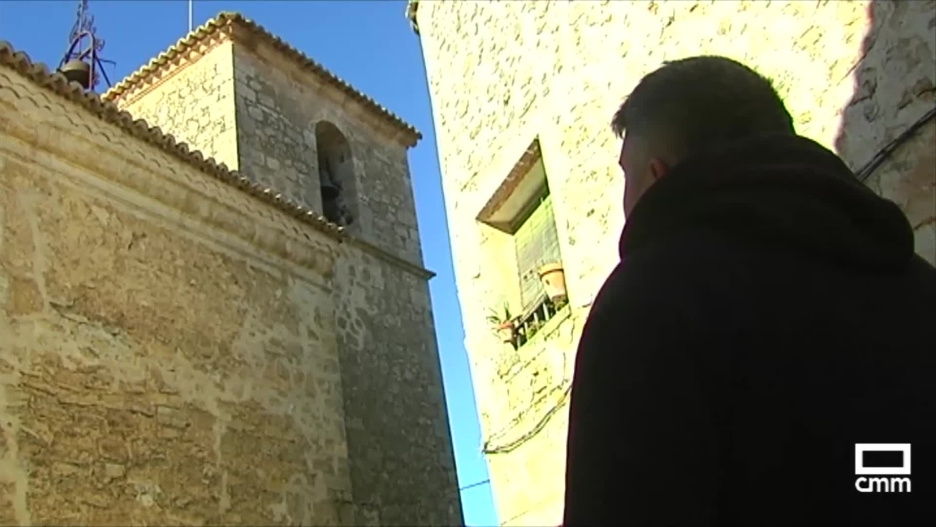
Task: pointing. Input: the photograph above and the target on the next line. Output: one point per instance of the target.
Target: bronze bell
(78, 71)
(329, 189)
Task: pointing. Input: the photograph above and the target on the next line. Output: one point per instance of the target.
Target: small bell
(78, 71)
(329, 189)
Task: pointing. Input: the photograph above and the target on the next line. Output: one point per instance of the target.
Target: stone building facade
(184, 337)
(522, 98)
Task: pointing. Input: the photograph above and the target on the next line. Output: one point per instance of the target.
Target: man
(768, 314)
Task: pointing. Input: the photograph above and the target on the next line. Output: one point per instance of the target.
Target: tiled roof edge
(108, 111)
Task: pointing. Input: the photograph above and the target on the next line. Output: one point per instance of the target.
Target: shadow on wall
(888, 130)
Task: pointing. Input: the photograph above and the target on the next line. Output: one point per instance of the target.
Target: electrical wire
(527, 511)
(513, 445)
(889, 149)
(475, 484)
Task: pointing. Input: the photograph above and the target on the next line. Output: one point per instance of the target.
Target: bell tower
(247, 99)
(321, 143)
(300, 135)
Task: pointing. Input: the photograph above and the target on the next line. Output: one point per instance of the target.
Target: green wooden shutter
(537, 243)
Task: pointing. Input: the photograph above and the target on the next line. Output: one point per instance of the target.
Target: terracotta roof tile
(228, 19)
(39, 73)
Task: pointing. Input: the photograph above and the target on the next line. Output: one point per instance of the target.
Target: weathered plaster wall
(504, 73)
(196, 102)
(278, 106)
(156, 365)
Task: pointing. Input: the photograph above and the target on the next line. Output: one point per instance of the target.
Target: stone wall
(196, 102)
(525, 416)
(399, 440)
(402, 462)
(895, 85)
(278, 107)
(502, 74)
(156, 365)
(174, 350)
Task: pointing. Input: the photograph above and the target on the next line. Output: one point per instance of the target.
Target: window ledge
(550, 326)
(535, 344)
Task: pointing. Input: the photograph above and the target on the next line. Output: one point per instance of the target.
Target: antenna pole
(190, 16)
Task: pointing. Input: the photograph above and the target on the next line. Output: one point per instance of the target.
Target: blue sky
(370, 45)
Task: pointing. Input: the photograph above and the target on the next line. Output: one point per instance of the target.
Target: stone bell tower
(249, 100)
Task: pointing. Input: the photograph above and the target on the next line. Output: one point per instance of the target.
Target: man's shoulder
(667, 302)
(691, 280)
(684, 264)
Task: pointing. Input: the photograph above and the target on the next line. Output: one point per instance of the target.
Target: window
(536, 242)
(523, 248)
(336, 174)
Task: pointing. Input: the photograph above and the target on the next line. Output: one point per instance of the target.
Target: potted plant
(553, 277)
(504, 323)
(559, 303)
(533, 328)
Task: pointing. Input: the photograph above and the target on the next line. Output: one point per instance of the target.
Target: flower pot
(553, 278)
(506, 332)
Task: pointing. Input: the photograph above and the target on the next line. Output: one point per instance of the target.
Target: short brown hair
(697, 102)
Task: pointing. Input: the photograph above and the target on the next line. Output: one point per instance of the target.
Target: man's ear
(658, 169)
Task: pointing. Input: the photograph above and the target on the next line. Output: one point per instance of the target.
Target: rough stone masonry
(505, 75)
(183, 344)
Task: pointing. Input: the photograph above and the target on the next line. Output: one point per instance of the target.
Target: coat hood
(787, 192)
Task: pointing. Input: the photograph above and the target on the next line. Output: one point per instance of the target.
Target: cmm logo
(882, 459)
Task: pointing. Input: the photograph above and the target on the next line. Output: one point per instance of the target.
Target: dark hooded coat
(767, 315)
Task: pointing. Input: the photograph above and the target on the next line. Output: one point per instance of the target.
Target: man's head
(689, 105)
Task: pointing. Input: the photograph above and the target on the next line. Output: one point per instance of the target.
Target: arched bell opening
(336, 174)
